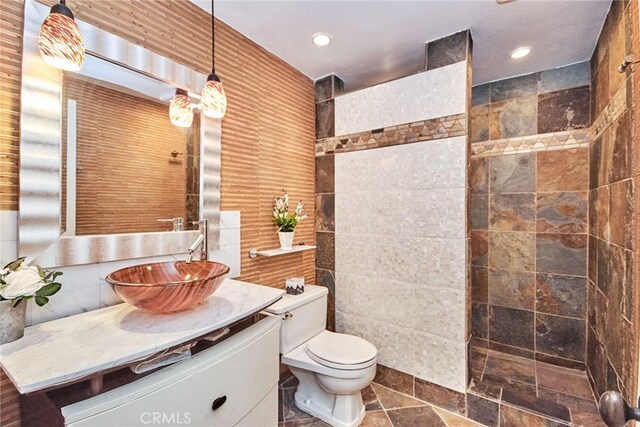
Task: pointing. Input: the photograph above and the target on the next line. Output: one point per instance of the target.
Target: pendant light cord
(213, 41)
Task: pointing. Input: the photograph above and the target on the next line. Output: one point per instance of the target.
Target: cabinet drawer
(243, 368)
(265, 414)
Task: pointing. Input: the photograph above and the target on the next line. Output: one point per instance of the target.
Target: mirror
(125, 167)
(100, 161)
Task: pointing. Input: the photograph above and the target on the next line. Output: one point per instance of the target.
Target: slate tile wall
(529, 218)
(548, 101)
(325, 91)
(612, 333)
(529, 254)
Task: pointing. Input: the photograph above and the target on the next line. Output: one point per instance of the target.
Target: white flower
(23, 282)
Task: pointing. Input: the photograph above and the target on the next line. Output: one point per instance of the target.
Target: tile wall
(326, 89)
(529, 216)
(84, 287)
(612, 334)
(550, 101)
(406, 100)
(391, 237)
(400, 255)
(529, 254)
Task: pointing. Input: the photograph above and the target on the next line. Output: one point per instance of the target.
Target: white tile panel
(426, 95)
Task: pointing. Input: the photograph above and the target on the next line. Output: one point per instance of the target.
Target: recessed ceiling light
(321, 39)
(520, 52)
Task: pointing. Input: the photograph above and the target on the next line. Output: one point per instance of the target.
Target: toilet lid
(341, 351)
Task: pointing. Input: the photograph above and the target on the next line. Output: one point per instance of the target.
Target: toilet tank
(303, 316)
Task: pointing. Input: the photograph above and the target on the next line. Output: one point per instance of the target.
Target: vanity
(79, 370)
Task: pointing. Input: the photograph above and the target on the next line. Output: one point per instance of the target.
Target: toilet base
(338, 410)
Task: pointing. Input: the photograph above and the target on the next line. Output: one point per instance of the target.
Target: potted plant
(20, 283)
(285, 221)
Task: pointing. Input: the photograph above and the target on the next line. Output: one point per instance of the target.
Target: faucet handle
(615, 411)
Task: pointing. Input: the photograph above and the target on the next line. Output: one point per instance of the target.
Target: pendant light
(214, 100)
(60, 40)
(180, 111)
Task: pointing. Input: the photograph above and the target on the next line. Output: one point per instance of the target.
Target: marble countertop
(72, 348)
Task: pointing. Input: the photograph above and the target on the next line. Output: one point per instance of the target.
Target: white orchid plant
(281, 216)
(19, 282)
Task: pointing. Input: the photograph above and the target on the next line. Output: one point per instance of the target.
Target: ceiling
(376, 41)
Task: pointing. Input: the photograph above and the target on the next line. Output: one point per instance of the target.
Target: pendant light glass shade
(180, 111)
(214, 100)
(60, 41)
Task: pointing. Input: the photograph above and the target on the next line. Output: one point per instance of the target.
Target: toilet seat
(341, 351)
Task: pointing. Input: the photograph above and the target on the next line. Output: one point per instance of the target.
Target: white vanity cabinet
(242, 371)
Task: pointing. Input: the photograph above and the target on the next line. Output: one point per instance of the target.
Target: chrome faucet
(201, 242)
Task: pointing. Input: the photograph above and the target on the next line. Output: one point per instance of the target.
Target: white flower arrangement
(19, 282)
(281, 217)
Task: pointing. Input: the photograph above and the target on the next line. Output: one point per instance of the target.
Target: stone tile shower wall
(325, 91)
(391, 215)
(529, 214)
(534, 112)
(612, 333)
(529, 254)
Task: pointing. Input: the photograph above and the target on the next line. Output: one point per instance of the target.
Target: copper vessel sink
(167, 287)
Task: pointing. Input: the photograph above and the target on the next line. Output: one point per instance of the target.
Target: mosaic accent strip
(617, 105)
(574, 138)
(426, 130)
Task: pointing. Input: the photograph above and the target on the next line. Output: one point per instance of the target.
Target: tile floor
(509, 390)
(385, 408)
(506, 391)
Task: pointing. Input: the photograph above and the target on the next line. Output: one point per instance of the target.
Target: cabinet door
(236, 374)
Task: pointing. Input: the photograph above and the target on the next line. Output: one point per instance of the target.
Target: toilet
(332, 369)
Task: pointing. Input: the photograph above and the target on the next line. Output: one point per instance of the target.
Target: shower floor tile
(523, 389)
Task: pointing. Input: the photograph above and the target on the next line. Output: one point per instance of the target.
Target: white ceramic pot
(11, 321)
(286, 240)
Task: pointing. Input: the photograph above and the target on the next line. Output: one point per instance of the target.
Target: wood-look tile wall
(11, 17)
(268, 133)
(614, 208)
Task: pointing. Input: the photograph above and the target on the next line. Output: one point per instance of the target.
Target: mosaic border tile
(574, 138)
(425, 130)
(617, 105)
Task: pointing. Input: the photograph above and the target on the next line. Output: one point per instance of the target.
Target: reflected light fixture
(321, 39)
(60, 41)
(214, 100)
(520, 52)
(180, 111)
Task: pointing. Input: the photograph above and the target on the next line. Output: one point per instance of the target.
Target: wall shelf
(254, 253)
